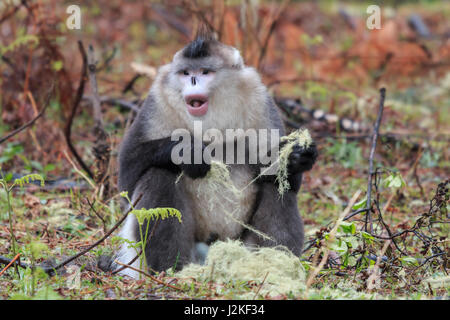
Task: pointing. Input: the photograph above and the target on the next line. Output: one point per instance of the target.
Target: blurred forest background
(324, 68)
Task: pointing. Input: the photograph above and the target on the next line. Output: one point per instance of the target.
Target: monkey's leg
(169, 242)
(278, 218)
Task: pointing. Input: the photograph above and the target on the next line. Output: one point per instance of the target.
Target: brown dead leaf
(32, 201)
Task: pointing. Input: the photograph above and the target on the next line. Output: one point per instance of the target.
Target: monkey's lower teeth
(196, 104)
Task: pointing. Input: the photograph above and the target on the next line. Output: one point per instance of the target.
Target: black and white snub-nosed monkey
(207, 81)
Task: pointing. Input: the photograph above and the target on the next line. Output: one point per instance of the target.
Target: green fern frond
(155, 213)
(130, 243)
(124, 194)
(22, 40)
(29, 177)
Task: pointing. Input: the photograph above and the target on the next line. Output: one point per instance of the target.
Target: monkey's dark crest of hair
(200, 47)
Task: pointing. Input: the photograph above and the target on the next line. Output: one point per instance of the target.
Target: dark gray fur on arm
(138, 155)
(300, 160)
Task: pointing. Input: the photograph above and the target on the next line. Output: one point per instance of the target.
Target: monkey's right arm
(137, 156)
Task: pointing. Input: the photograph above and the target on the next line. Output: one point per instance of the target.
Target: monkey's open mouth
(197, 105)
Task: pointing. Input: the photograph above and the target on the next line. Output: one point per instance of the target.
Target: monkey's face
(207, 81)
(196, 88)
(198, 70)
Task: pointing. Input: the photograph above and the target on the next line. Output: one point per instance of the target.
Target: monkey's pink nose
(197, 104)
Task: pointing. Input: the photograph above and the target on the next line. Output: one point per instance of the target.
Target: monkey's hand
(195, 170)
(302, 159)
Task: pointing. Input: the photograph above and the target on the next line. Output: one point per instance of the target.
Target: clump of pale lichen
(300, 137)
(230, 261)
(217, 180)
(275, 271)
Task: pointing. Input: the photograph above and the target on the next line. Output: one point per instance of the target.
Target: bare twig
(172, 20)
(115, 101)
(30, 123)
(325, 249)
(13, 67)
(121, 102)
(101, 149)
(5, 260)
(273, 24)
(129, 263)
(260, 286)
(78, 97)
(375, 274)
(79, 171)
(414, 171)
(355, 213)
(9, 264)
(10, 13)
(372, 152)
(107, 60)
(130, 84)
(192, 7)
(425, 261)
(149, 275)
(51, 269)
(140, 251)
(62, 264)
(93, 83)
(97, 214)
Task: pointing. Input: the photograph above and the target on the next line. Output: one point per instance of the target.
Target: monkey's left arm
(300, 160)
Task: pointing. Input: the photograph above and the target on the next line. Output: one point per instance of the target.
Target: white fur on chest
(212, 209)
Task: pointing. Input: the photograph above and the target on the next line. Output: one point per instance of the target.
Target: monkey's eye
(185, 72)
(206, 71)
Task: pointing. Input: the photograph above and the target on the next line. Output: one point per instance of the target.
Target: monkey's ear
(238, 62)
